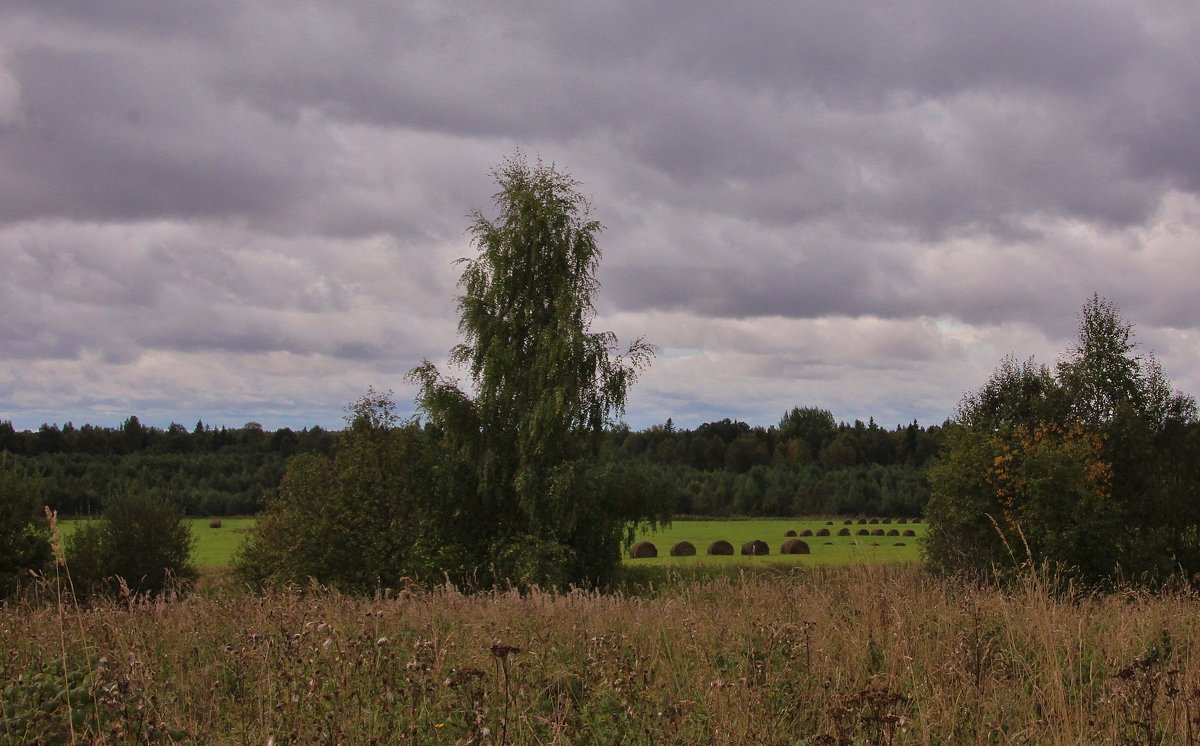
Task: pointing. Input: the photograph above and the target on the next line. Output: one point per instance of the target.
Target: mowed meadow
(863, 653)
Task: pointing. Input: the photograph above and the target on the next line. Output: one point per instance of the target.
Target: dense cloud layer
(250, 211)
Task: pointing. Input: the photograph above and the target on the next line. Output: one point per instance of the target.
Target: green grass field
(215, 546)
(825, 550)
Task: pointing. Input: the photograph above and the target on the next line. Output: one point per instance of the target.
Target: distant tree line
(808, 464)
(204, 470)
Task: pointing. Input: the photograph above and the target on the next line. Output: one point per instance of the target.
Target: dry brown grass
(903, 658)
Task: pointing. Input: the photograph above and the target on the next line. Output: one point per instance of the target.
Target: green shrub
(24, 536)
(370, 517)
(140, 545)
(1090, 466)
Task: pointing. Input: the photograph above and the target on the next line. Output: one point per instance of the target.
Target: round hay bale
(893, 532)
(823, 532)
(916, 520)
(848, 522)
(899, 544)
(683, 549)
(864, 532)
(829, 543)
(790, 532)
(794, 546)
(862, 520)
(756, 548)
(909, 532)
(873, 521)
(886, 520)
(877, 532)
(806, 532)
(643, 550)
(720, 546)
(843, 531)
(901, 520)
(828, 523)
(214, 523)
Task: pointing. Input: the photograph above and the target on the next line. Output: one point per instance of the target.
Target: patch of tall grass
(703, 654)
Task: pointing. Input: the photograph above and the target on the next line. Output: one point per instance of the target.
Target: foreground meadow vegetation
(859, 654)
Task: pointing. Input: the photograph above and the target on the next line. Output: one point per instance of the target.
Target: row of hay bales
(793, 543)
(756, 548)
(860, 532)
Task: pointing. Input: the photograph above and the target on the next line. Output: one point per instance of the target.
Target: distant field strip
(825, 550)
(215, 547)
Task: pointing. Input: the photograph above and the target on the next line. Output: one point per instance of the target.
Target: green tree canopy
(543, 387)
(24, 535)
(1091, 466)
(140, 541)
(368, 518)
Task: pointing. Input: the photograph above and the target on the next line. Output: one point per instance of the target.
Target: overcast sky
(249, 210)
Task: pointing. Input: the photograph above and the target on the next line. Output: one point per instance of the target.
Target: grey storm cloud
(255, 207)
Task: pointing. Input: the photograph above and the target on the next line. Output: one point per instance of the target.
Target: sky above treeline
(250, 211)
